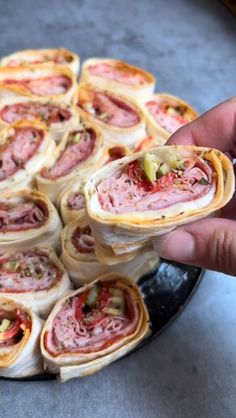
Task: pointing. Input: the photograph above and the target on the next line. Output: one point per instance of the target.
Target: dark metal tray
(166, 291)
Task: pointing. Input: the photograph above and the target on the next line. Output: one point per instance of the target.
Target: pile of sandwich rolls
(86, 182)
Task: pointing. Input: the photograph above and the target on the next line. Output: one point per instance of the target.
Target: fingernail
(176, 246)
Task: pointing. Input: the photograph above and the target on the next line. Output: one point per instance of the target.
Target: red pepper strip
(79, 314)
(12, 331)
(24, 319)
(164, 182)
(136, 173)
(105, 295)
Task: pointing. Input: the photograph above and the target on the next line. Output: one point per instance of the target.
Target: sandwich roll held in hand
(35, 277)
(120, 119)
(131, 200)
(79, 257)
(208, 243)
(118, 77)
(51, 83)
(78, 155)
(165, 114)
(42, 58)
(24, 147)
(20, 330)
(58, 117)
(93, 326)
(27, 219)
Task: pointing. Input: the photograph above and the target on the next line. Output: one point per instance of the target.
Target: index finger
(215, 129)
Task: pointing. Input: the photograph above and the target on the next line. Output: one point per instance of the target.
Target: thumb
(208, 243)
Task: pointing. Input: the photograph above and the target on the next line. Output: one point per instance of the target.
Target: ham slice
(76, 201)
(82, 328)
(27, 272)
(79, 147)
(112, 111)
(45, 86)
(30, 111)
(83, 241)
(118, 73)
(120, 193)
(22, 216)
(167, 121)
(18, 150)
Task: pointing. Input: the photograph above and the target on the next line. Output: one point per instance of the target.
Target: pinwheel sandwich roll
(27, 219)
(42, 58)
(93, 326)
(120, 119)
(78, 155)
(132, 200)
(58, 117)
(119, 77)
(79, 257)
(71, 201)
(34, 277)
(20, 330)
(165, 114)
(24, 147)
(51, 83)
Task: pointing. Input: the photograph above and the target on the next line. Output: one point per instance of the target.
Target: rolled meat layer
(27, 218)
(58, 118)
(35, 277)
(119, 77)
(121, 120)
(165, 114)
(93, 326)
(51, 83)
(132, 200)
(20, 330)
(42, 58)
(78, 155)
(79, 257)
(24, 147)
(71, 201)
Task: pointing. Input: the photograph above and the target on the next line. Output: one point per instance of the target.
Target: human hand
(210, 242)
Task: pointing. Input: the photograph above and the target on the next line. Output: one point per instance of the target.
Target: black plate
(166, 291)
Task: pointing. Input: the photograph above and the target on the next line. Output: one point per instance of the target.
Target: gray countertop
(190, 369)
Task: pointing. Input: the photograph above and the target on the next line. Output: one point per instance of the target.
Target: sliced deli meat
(23, 148)
(57, 83)
(165, 114)
(79, 256)
(27, 218)
(79, 154)
(93, 326)
(71, 201)
(120, 119)
(131, 201)
(34, 277)
(58, 117)
(20, 330)
(119, 77)
(42, 58)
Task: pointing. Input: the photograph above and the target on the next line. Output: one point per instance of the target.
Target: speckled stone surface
(189, 371)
